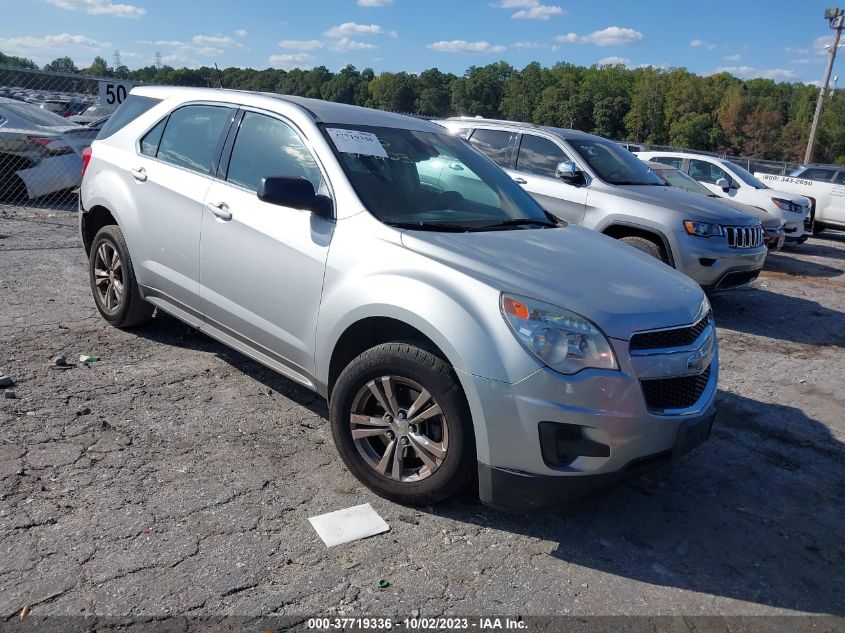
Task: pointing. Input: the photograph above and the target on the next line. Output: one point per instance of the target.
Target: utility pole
(835, 17)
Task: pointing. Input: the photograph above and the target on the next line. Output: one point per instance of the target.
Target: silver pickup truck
(596, 183)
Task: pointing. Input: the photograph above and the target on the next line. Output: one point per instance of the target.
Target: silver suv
(596, 183)
(456, 329)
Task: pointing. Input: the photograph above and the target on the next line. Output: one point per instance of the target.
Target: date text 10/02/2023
(417, 624)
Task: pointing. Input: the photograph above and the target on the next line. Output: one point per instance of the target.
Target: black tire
(647, 246)
(406, 361)
(130, 309)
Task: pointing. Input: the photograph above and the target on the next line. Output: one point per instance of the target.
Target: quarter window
(840, 178)
(539, 156)
(151, 140)
(191, 136)
(269, 147)
(817, 174)
(707, 172)
(496, 144)
(669, 160)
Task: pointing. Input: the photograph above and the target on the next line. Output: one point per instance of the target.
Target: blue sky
(780, 39)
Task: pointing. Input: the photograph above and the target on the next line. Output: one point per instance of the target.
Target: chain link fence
(782, 168)
(46, 120)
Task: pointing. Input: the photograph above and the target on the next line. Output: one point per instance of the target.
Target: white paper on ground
(355, 142)
(350, 524)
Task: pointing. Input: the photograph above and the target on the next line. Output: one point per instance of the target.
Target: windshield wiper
(520, 222)
(432, 226)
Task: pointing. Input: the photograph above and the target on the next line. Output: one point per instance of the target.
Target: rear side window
(129, 110)
(149, 144)
(539, 156)
(815, 173)
(840, 178)
(669, 160)
(269, 147)
(191, 137)
(495, 143)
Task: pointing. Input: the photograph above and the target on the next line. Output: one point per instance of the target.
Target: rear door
(536, 162)
(170, 177)
(262, 265)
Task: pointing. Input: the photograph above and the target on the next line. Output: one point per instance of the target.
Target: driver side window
(707, 172)
(266, 146)
(539, 156)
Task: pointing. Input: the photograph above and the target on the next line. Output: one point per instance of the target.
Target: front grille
(676, 337)
(674, 393)
(744, 236)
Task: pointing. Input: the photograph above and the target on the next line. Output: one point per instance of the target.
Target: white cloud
(301, 45)
(798, 50)
(611, 36)
(100, 7)
(292, 60)
(530, 9)
(241, 33)
(374, 3)
(749, 72)
(462, 46)
(614, 61)
(178, 59)
(345, 44)
(530, 45)
(802, 61)
(55, 45)
(732, 58)
(216, 40)
(702, 44)
(348, 29)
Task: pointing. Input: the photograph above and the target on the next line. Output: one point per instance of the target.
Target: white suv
(729, 180)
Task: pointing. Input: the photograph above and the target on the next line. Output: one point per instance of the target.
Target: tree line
(758, 118)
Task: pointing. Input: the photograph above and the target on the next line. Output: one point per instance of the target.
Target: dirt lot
(176, 476)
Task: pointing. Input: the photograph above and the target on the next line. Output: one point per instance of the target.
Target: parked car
(596, 183)
(824, 185)
(773, 234)
(40, 152)
(453, 325)
(63, 107)
(729, 180)
(93, 113)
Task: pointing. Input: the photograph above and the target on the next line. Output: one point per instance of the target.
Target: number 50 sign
(114, 93)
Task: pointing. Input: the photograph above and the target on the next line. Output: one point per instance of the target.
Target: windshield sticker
(355, 142)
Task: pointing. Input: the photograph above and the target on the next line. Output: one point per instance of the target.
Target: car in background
(64, 108)
(824, 185)
(596, 183)
(773, 234)
(93, 113)
(40, 151)
(729, 180)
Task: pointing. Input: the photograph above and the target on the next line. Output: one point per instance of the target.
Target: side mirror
(296, 193)
(723, 183)
(568, 170)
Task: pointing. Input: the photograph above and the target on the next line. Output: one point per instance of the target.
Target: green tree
(645, 121)
(99, 68)
(691, 130)
(394, 92)
(342, 87)
(435, 92)
(21, 62)
(762, 133)
(62, 65)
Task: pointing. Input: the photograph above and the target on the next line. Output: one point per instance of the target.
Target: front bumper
(609, 410)
(714, 264)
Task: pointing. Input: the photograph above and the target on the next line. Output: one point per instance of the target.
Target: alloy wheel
(108, 277)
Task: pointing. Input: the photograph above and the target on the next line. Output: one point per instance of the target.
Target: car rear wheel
(113, 281)
(401, 424)
(647, 246)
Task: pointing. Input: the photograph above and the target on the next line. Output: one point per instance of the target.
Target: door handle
(456, 167)
(139, 174)
(220, 210)
(520, 181)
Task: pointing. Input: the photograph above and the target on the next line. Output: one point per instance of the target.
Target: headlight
(563, 340)
(787, 205)
(702, 229)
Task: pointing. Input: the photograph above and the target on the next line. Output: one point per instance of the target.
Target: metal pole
(808, 157)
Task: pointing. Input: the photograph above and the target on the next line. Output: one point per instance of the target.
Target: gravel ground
(175, 476)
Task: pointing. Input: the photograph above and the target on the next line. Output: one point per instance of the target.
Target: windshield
(35, 115)
(744, 175)
(683, 181)
(429, 180)
(615, 164)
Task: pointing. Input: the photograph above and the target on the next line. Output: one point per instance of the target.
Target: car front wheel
(401, 424)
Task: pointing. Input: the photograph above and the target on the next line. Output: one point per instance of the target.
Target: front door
(262, 265)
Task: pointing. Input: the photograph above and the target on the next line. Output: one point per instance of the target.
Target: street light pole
(835, 16)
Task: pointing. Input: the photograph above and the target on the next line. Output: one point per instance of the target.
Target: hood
(691, 205)
(792, 197)
(767, 219)
(617, 287)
